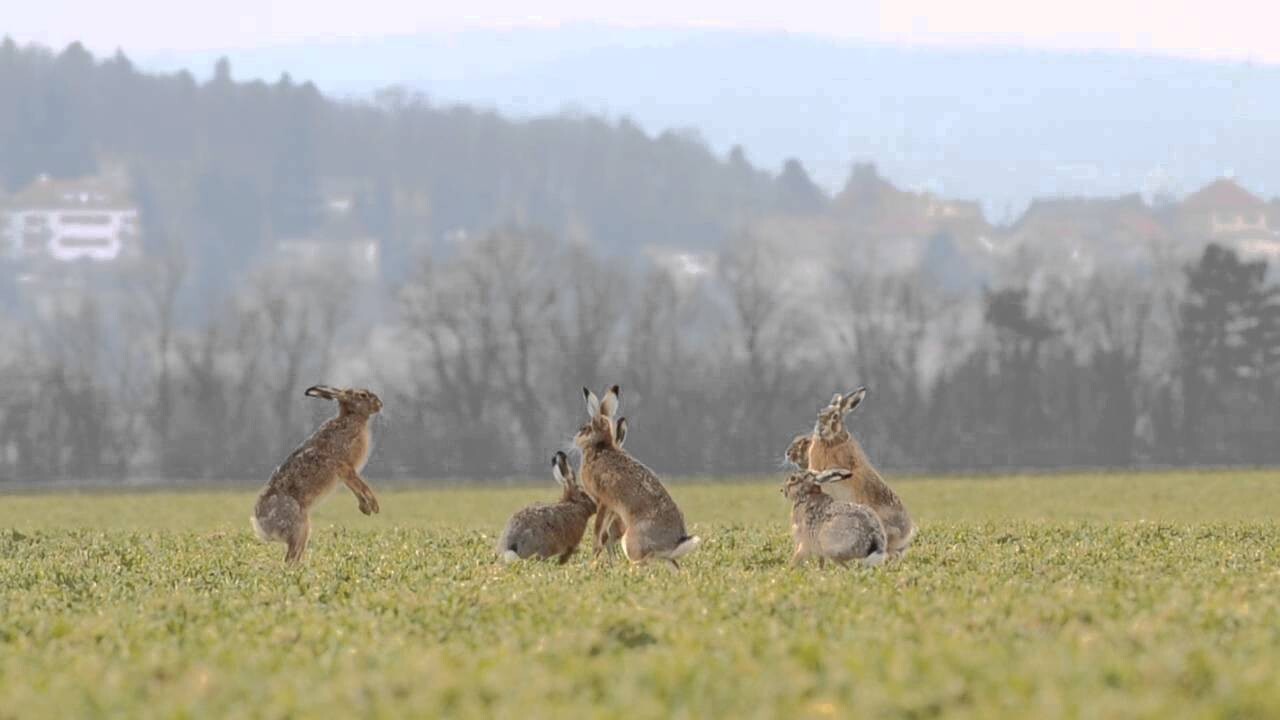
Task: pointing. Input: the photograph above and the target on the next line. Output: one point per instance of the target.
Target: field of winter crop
(1144, 595)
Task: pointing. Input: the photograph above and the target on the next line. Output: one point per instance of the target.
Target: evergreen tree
(1228, 338)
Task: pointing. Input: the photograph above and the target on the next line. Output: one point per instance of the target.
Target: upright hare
(832, 446)
(337, 451)
(620, 484)
(609, 528)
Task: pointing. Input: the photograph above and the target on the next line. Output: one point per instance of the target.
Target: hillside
(999, 126)
(229, 167)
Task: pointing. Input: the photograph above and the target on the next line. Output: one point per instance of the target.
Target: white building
(68, 220)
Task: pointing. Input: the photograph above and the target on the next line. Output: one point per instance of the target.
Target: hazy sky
(1239, 29)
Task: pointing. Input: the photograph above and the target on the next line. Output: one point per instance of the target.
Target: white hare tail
(685, 547)
(509, 556)
(257, 528)
(874, 559)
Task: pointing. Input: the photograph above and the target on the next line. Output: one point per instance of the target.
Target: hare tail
(257, 528)
(877, 554)
(686, 545)
(509, 556)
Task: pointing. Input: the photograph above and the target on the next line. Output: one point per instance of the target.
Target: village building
(91, 218)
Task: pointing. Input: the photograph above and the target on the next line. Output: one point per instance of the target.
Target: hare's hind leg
(632, 547)
(607, 534)
(598, 534)
(613, 534)
(799, 556)
(297, 540)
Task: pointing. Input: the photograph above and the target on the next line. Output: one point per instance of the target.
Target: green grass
(1149, 595)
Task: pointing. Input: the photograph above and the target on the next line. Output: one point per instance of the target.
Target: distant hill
(998, 126)
(233, 168)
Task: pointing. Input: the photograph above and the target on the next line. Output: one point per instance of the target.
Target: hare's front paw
(368, 504)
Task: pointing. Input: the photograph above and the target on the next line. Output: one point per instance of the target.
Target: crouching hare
(654, 525)
(336, 452)
(832, 446)
(831, 529)
(549, 530)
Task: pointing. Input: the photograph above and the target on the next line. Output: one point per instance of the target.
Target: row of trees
(480, 356)
(231, 167)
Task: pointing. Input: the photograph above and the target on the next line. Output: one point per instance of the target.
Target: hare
(798, 451)
(337, 451)
(609, 528)
(832, 446)
(828, 528)
(620, 484)
(549, 530)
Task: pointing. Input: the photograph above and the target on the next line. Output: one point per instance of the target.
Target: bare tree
(590, 296)
(485, 325)
(145, 371)
(765, 325)
(884, 326)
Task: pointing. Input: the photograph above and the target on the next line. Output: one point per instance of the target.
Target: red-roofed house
(1223, 210)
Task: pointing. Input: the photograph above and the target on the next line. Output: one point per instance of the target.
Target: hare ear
(322, 391)
(835, 400)
(620, 434)
(830, 476)
(593, 402)
(560, 469)
(853, 399)
(609, 406)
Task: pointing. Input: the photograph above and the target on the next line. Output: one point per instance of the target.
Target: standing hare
(549, 530)
(609, 528)
(832, 446)
(620, 484)
(337, 451)
(827, 528)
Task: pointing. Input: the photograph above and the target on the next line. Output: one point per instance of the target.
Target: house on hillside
(1226, 213)
(340, 238)
(1088, 232)
(875, 225)
(1223, 210)
(358, 256)
(881, 209)
(91, 218)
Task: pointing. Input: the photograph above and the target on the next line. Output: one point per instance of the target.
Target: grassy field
(1059, 596)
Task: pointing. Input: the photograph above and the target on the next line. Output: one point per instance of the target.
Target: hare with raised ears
(609, 528)
(549, 530)
(831, 529)
(336, 452)
(655, 528)
(832, 446)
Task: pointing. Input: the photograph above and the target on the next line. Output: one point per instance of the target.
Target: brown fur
(798, 451)
(338, 450)
(832, 446)
(554, 530)
(827, 528)
(622, 485)
(609, 528)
